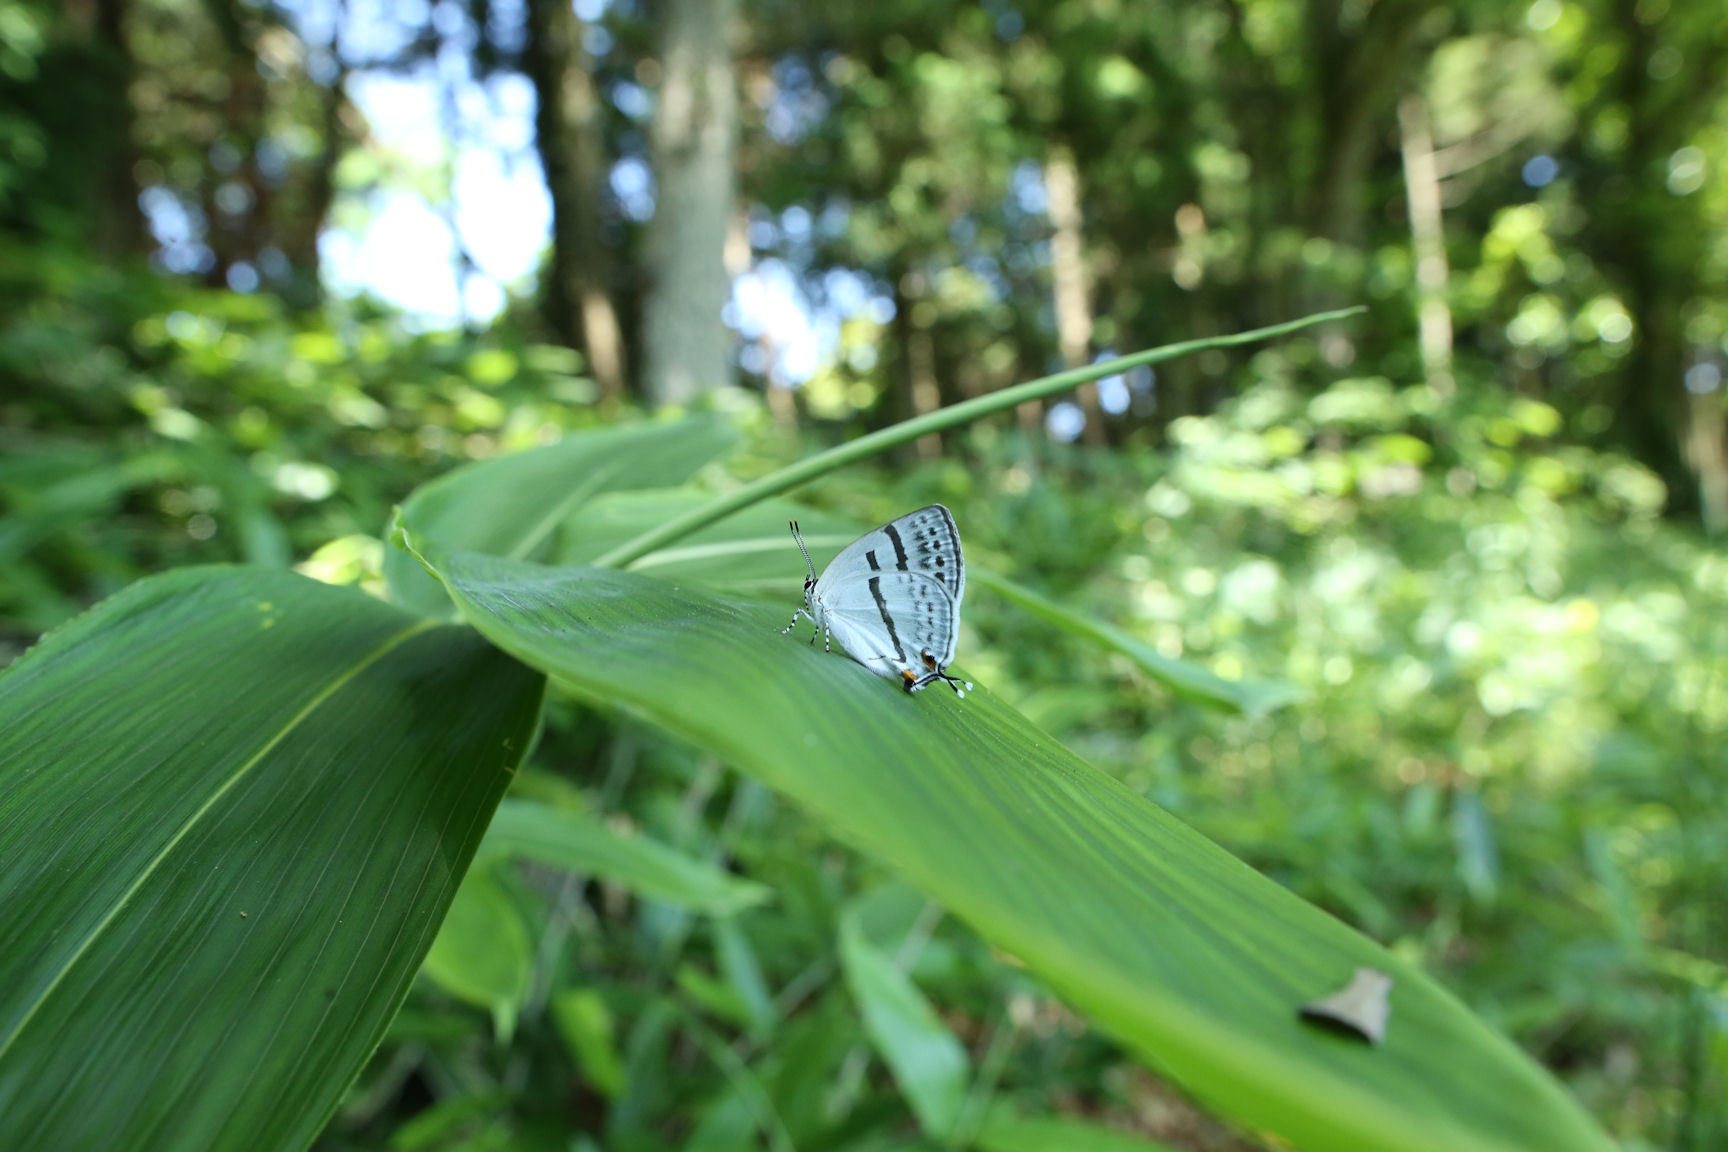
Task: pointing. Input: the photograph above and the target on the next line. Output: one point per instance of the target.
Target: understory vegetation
(1420, 612)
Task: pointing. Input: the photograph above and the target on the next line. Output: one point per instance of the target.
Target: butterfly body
(892, 598)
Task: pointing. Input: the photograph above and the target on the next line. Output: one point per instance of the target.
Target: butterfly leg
(794, 624)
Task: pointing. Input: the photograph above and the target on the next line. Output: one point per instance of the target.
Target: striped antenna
(799, 536)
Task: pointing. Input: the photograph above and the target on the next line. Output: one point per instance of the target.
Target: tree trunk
(235, 236)
(571, 141)
(926, 393)
(1428, 241)
(119, 231)
(1650, 411)
(1707, 453)
(914, 390)
(300, 231)
(687, 349)
(1068, 280)
(1359, 71)
(1644, 238)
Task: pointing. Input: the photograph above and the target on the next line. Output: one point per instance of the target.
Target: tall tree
(120, 230)
(1663, 93)
(82, 100)
(693, 140)
(1363, 53)
(1068, 277)
(570, 137)
(237, 200)
(1428, 242)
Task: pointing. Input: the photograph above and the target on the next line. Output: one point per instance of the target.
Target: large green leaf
(1186, 955)
(234, 806)
(514, 505)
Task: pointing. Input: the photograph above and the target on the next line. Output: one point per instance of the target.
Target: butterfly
(892, 598)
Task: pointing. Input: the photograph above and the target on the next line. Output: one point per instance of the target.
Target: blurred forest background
(267, 264)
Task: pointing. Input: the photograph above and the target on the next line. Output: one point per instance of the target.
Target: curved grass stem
(953, 416)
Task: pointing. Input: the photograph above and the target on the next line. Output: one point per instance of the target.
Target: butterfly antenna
(799, 536)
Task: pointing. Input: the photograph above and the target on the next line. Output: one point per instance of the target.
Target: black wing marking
(928, 541)
(925, 542)
(887, 619)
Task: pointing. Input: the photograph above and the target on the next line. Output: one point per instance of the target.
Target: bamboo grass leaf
(514, 505)
(1007, 1133)
(484, 953)
(751, 552)
(530, 831)
(1188, 957)
(234, 806)
(928, 1063)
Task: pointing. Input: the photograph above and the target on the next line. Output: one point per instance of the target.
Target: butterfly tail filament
(914, 682)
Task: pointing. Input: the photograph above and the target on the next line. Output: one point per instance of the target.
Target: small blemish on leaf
(1359, 1009)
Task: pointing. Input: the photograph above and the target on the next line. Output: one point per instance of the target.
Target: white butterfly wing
(887, 621)
(924, 542)
(865, 645)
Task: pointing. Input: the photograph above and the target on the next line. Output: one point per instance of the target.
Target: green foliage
(516, 505)
(1443, 661)
(1508, 663)
(483, 954)
(149, 426)
(1450, 862)
(929, 1064)
(1049, 859)
(1017, 1134)
(524, 830)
